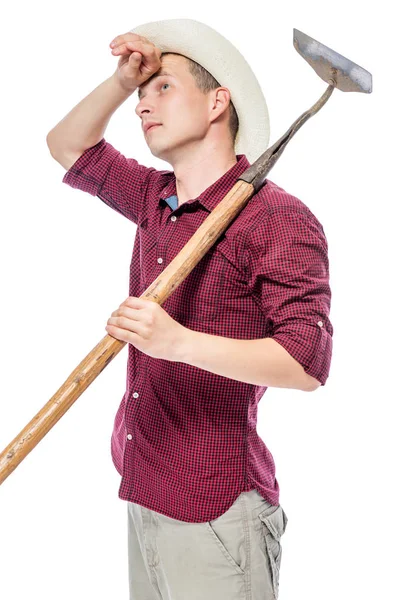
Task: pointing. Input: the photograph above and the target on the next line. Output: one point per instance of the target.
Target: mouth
(152, 127)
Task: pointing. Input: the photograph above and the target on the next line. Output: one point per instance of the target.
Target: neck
(196, 172)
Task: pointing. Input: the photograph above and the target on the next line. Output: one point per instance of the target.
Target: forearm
(260, 362)
(84, 126)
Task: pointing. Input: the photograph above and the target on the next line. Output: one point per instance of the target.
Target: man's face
(174, 101)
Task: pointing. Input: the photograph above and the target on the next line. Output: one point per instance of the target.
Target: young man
(204, 518)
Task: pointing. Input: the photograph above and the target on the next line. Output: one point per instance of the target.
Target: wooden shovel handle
(104, 352)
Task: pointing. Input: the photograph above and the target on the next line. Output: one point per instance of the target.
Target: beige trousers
(234, 557)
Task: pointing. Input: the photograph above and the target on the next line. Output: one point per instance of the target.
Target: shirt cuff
(88, 171)
(311, 345)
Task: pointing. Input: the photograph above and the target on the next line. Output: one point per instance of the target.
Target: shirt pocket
(214, 294)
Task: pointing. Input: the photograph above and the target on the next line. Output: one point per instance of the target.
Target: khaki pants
(234, 557)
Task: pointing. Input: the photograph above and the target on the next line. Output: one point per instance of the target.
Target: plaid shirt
(184, 439)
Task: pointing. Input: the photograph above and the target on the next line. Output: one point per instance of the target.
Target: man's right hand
(139, 59)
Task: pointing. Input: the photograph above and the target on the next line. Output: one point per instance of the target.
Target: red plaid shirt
(184, 440)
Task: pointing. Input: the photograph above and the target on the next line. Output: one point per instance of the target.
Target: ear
(220, 99)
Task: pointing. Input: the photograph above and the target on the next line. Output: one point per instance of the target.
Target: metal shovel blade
(330, 65)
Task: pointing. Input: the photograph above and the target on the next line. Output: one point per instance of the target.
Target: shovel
(334, 69)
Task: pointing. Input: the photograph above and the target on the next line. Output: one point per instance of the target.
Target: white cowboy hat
(219, 57)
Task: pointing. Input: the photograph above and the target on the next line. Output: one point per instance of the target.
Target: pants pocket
(218, 541)
(274, 522)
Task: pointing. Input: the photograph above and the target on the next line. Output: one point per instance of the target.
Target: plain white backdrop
(64, 269)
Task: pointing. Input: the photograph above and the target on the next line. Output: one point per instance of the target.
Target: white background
(64, 268)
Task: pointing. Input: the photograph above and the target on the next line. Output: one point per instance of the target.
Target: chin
(159, 151)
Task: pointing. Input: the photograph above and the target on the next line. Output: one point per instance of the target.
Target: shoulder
(272, 208)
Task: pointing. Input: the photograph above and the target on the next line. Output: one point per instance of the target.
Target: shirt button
(159, 260)
(320, 323)
(135, 394)
(173, 218)
(129, 436)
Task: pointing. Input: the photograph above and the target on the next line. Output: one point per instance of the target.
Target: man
(204, 519)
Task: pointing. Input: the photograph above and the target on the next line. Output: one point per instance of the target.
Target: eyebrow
(159, 73)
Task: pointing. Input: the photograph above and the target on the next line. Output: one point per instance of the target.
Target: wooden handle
(104, 352)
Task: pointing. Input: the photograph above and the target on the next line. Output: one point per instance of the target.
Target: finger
(122, 322)
(127, 326)
(121, 334)
(135, 302)
(134, 57)
(126, 311)
(131, 46)
(130, 320)
(122, 304)
(124, 37)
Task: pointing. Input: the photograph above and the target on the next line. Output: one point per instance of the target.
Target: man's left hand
(148, 327)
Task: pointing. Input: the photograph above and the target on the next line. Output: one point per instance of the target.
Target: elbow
(50, 144)
(311, 384)
(54, 144)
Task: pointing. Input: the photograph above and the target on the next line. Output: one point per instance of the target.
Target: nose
(145, 105)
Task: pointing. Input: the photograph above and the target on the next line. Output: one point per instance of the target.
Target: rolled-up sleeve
(118, 181)
(288, 273)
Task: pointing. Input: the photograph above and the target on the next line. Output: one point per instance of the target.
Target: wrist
(125, 91)
(188, 340)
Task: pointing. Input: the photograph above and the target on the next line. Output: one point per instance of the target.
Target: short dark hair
(206, 82)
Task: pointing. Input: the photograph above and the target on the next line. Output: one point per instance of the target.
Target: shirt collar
(211, 196)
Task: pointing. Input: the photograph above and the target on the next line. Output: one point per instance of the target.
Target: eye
(164, 84)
